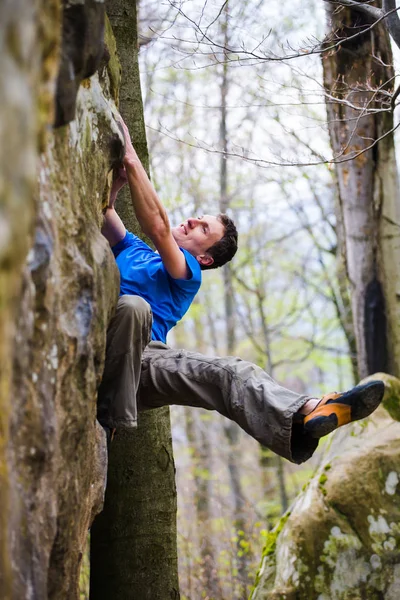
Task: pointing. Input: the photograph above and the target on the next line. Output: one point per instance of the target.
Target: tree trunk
(232, 431)
(133, 541)
(368, 185)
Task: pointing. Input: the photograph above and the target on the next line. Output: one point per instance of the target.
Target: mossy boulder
(341, 540)
(58, 288)
(28, 67)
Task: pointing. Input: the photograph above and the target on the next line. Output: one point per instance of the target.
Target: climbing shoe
(334, 410)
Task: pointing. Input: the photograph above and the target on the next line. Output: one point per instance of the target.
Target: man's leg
(128, 334)
(235, 388)
(287, 423)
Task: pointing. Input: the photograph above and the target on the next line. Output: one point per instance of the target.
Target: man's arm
(113, 228)
(150, 213)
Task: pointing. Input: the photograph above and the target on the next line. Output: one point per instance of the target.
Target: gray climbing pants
(141, 374)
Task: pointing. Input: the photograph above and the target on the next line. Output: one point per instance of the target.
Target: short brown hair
(225, 249)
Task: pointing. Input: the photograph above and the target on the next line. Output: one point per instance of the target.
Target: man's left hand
(119, 180)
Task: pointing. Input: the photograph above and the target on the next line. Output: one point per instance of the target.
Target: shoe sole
(364, 400)
(369, 396)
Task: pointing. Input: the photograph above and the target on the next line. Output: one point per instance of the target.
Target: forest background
(231, 132)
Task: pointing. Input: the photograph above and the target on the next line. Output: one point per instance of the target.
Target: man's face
(197, 234)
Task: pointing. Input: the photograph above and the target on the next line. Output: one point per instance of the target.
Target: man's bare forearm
(148, 208)
(113, 228)
(150, 212)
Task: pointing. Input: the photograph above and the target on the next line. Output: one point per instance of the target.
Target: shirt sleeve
(129, 240)
(194, 280)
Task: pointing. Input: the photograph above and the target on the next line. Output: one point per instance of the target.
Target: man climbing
(157, 288)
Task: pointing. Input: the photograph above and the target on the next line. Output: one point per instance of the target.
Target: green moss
(322, 480)
(87, 137)
(392, 404)
(391, 399)
(270, 545)
(270, 542)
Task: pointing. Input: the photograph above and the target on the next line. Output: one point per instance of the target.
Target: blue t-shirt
(143, 274)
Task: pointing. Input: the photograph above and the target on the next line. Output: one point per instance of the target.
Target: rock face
(341, 538)
(82, 50)
(59, 286)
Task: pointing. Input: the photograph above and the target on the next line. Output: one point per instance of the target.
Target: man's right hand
(130, 152)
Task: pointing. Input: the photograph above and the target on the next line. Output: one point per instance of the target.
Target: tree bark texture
(354, 74)
(133, 542)
(123, 18)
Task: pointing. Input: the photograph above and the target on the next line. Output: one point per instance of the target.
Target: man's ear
(205, 259)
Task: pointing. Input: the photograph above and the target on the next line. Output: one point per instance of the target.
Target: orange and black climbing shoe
(334, 410)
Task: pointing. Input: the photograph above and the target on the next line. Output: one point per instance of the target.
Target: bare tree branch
(388, 12)
(264, 164)
(229, 54)
(371, 11)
